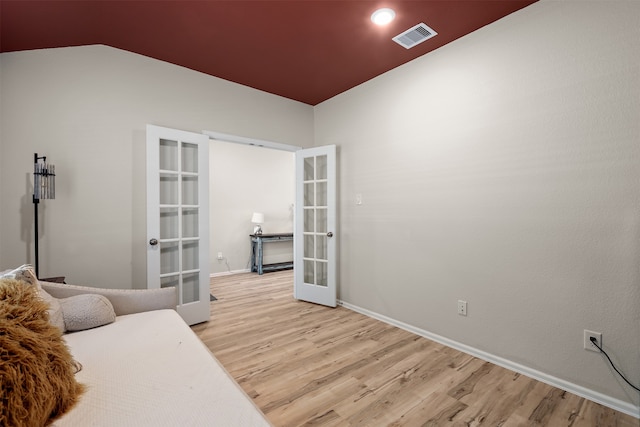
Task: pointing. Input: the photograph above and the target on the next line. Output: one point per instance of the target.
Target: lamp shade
(44, 179)
(257, 218)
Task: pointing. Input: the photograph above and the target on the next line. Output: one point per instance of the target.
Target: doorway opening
(248, 176)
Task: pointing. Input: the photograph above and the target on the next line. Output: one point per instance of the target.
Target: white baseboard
(595, 396)
(228, 273)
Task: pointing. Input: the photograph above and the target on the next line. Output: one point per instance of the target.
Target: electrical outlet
(220, 255)
(462, 307)
(588, 345)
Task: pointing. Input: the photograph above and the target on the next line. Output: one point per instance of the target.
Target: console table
(257, 243)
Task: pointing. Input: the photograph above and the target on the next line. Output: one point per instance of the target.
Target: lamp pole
(44, 187)
(35, 208)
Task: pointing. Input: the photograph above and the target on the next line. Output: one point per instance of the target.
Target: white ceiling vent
(414, 36)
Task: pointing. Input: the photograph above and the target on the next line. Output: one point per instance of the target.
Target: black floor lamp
(44, 187)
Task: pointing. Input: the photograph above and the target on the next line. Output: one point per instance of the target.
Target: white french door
(178, 218)
(315, 226)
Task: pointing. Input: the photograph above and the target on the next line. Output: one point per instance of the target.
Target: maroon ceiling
(306, 50)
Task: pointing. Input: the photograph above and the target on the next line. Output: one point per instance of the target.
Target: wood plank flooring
(305, 364)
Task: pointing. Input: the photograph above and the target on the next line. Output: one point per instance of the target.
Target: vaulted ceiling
(305, 50)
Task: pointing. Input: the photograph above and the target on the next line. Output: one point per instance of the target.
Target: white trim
(595, 396)
(250, 141)
(229, 273)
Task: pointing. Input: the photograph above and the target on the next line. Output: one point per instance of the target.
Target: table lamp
(258, 220)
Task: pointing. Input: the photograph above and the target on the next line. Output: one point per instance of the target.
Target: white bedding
(150, 369)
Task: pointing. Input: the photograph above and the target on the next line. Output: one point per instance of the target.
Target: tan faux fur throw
(37, 382)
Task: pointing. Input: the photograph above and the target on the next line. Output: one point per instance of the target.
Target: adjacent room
(245, 180)
(486, 204)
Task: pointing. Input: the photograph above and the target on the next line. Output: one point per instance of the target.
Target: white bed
(150, 369)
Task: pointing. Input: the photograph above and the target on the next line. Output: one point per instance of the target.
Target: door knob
(330, 234)
(153, 242)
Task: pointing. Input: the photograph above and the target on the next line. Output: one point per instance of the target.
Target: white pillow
(26, 274)
(86, 311)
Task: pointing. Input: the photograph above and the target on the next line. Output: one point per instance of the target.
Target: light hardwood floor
(305, 364)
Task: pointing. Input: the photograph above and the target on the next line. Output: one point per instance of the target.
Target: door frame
(225, 137)
(261, 143)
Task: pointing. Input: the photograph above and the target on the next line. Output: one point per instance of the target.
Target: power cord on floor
(595, 342)
(226, 261)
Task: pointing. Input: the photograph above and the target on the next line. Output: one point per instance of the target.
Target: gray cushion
(87, 311)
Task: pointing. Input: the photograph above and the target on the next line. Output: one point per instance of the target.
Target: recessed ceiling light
(383, 16)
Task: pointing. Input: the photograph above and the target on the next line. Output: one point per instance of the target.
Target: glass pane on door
(321, 194)
(309, 271)
(179, 219)
(321, 247)
(168, 223)
(169, 257)
(189, 190)
(315, 221)
(190, 255)
(321, 273)
(309, 194)
(168, 155)
(190, 221)
(309, 169)
(190, 288)
(309, 246)
(189, 157)
(168, 189)
(308, 219)
(321, 167)
(169, 281)
(321, 220)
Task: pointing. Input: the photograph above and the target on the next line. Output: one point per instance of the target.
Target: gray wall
(86, 108)
(503, 169)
